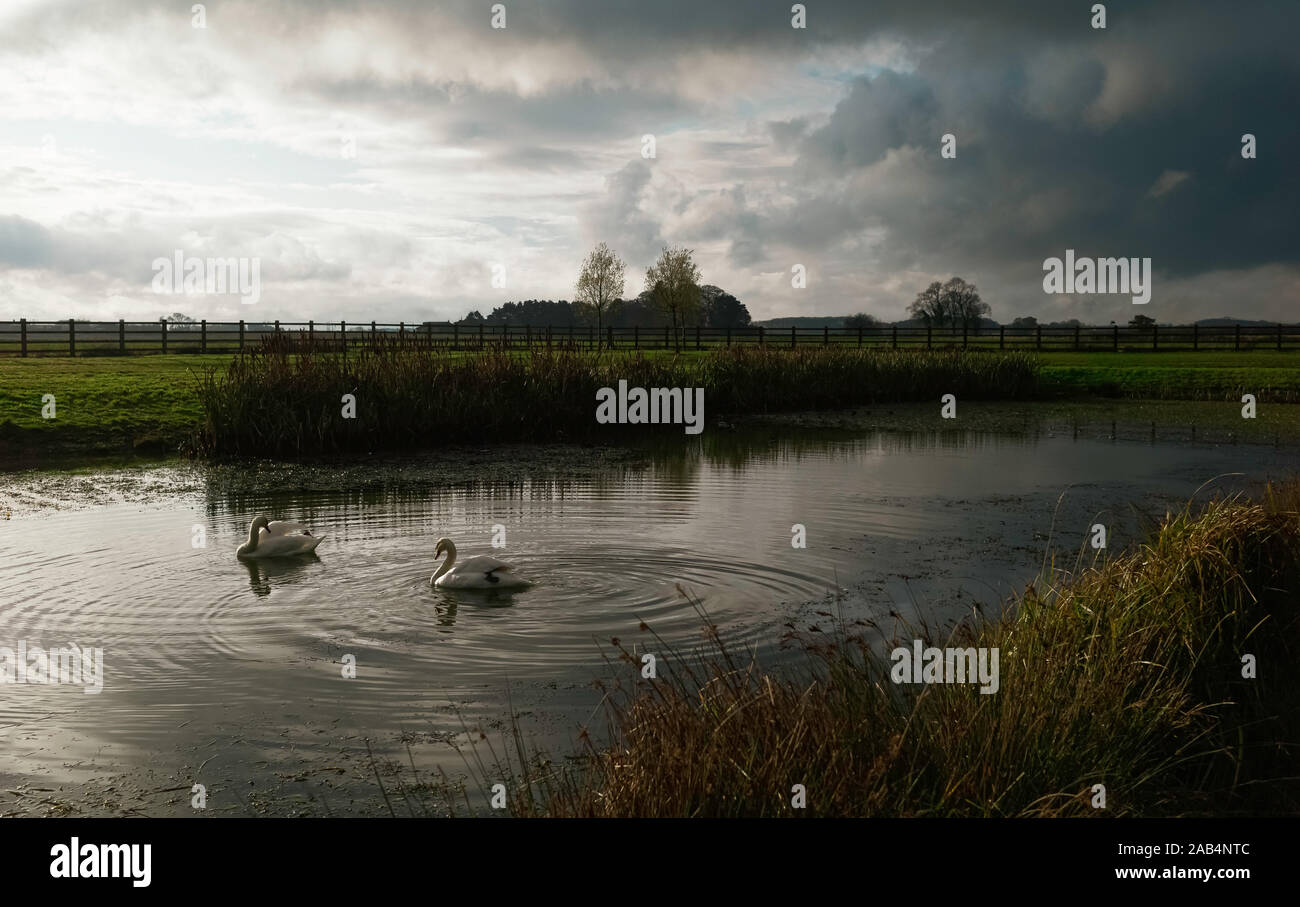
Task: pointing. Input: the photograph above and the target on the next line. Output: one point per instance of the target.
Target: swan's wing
(285, 545)
(284, 527)
(482, 563)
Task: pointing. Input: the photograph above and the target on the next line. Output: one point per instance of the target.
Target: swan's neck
(251, 544)
(446, 565)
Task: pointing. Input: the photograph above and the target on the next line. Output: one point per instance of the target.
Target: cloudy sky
(379, 158)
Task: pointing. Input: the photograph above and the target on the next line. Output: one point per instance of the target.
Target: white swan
(481, 572)
(278, 539)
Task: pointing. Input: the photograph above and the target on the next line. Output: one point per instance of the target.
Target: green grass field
(150, 403)
(102, 404)
(1270, 376)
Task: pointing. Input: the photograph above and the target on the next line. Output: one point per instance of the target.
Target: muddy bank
(50, 488)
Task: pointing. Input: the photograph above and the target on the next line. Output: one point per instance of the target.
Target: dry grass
(1127, 673)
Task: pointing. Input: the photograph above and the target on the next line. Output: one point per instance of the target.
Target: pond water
(231, 673)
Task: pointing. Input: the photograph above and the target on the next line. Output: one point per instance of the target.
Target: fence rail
(124, 338)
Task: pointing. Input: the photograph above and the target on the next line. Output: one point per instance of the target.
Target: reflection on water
(283, 570)
(201, 647)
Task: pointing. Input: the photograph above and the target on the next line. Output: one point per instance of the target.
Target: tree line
(673, 297)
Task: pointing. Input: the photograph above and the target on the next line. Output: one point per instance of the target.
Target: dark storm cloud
(889, 111)
(1047, 159)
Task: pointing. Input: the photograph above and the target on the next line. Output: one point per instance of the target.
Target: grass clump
(1127, 674)
(278, 401)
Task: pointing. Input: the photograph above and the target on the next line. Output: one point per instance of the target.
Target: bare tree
(674, 282)
(929, 305)
(600, 285)
(179, 321)
(953, 303)
(962, 303)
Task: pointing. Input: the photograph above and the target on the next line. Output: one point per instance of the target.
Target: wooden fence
(122, 338)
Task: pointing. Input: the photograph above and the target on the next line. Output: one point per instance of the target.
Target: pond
(232, 674)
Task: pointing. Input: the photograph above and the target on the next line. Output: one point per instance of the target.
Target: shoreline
(1100, 417)
(143, 408)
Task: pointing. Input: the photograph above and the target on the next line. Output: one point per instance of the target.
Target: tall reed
(283, 400)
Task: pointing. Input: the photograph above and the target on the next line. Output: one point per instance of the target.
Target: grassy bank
(152, 403)
(1126, 674)
(270, 403)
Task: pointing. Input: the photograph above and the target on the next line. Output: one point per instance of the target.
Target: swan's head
(260, 522)
(444, 545)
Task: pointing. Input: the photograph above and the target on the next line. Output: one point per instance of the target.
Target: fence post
(1038, 340)
(793, 341)
(72, 337)
(665, 337)
(591, 336)
(1002, 336)
(1236, 338)
(401, 331)
(697, 339)
(1076, 338)
(241, 335)
(1155, 337)
(636, 337)
(455, 336)
(728, 335)
(1114, 340)
(203, 335)
(609, 336)
(929, 336)
(528, 337)
(1279, 337)
(1196, 335)
(480, 335)
(895, 337)
(965, 334)
(311, 331)
(343, 338)
(760, 335)
(164, 334)
(121, 336)
(826, 335)
(22, 335)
